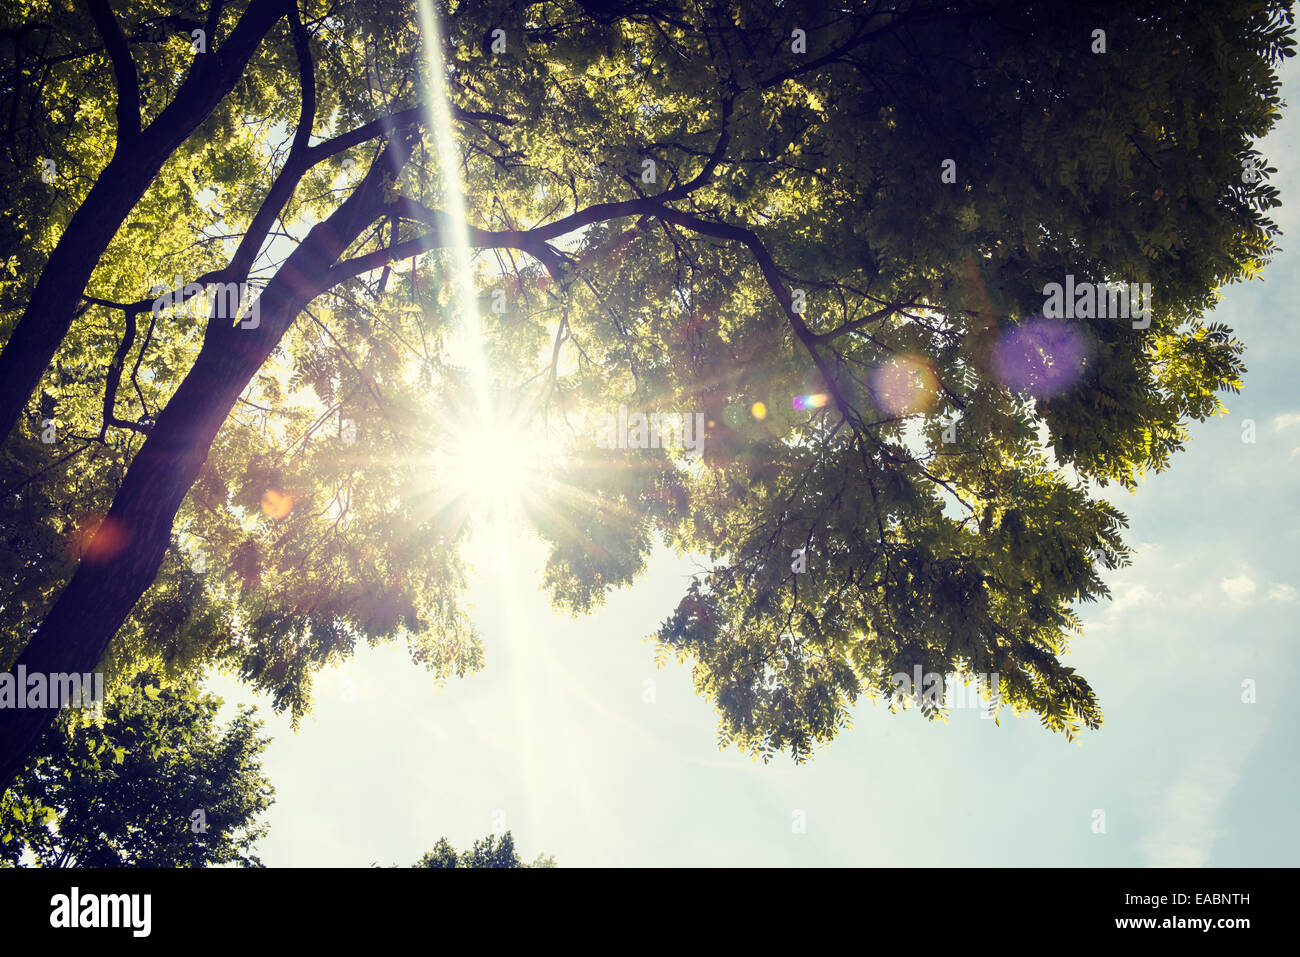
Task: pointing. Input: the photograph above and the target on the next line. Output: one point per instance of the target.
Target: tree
(155, 782)
(722, 211)
(491, 851)
(139, 149)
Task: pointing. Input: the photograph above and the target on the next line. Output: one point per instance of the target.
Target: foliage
(491, 851)
(775, 171)
(123, 789)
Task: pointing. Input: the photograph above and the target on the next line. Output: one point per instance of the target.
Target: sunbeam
(485, 458)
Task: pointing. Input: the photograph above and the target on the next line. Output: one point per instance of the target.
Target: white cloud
(1130, 596)
(1281, 592)
(1239, 590)
(1187, 824)
(1285, 421)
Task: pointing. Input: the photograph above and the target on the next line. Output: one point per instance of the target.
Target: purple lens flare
(1043, 357)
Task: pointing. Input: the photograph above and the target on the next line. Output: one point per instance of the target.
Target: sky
(571, 738)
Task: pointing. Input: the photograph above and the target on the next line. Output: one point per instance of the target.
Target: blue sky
(555, 739)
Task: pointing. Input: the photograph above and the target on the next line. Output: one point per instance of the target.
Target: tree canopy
(491, 851)
(827, 232)
(155, 781)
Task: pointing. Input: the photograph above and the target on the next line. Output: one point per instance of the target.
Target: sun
(494, 464)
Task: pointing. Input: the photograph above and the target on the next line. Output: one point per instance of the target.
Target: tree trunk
(124, 556)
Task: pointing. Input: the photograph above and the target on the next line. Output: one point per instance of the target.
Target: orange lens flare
(98, 538)
(275, 504)
(905, 385)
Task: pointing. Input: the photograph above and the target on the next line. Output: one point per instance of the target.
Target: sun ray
(482, 457)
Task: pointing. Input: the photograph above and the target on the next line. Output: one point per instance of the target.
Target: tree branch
(415, 114)
(411, 210)
(128, 84)
(115, 377)
(773, 277)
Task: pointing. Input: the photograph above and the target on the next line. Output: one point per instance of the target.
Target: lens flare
(276, 504)
(1041, 357)
(97, 538)
(904, 385)
(817, 400)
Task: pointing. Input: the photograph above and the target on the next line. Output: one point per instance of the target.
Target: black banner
(216, 905)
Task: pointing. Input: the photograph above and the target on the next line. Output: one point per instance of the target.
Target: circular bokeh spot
(904, 385)
(1043, 357)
